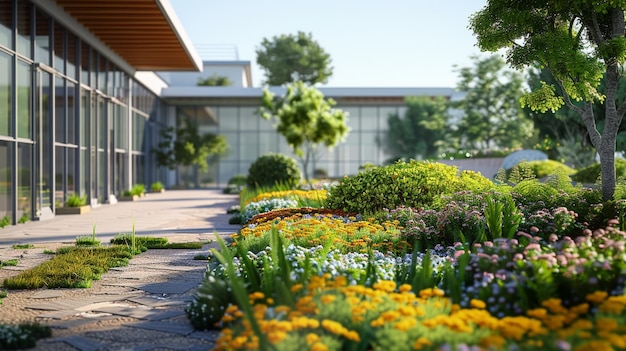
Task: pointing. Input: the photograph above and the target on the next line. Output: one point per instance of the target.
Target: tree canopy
(579, 42)
(418, 133)
(306, 119)
(186, 147)
(290, 58)
(492, 116)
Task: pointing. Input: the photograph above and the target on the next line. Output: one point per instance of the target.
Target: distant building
(86, 87)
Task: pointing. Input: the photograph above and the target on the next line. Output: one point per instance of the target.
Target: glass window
(25, 152)
(6, 187)
(71, 113)
(369, 118)
(6, 25)
(228, 120)
(24, 104)
(268, 142)
(6, 93)
(84, 112)
(59, 177)
(102, 73)
(384, 113)
(59, 48)
(233, 141)
(248, 119)
(249, 146)
(121, 127)
(60, 106)
(85, 52)
(72, 43)
(42, 38)
(369, 148)
(23, 28)
(139, 127)
(71, 170)
(354, 117)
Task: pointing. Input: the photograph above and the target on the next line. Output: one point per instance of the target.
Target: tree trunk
(606, 150)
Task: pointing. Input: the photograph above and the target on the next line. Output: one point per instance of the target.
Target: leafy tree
(418, 133)
(215, 81)
(290, 58)
(306, 119)
(579, 42)
(492, 116)
(562, 130)
(186, 147)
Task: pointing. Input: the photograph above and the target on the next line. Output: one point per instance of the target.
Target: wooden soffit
(145, 33)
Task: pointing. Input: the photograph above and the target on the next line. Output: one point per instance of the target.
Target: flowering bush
(254, 208)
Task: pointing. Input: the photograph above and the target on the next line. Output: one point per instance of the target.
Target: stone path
(138, 307)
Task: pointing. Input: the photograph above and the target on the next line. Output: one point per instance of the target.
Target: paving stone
(46, 294)
(58, 314)
(141, 313)
(157, 301)
(169, 287)
(211, 335)
(83, 344)
(176, 328)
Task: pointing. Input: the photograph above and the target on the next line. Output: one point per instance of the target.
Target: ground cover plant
(526, 265)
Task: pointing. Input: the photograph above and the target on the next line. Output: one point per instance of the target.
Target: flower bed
(471, 273)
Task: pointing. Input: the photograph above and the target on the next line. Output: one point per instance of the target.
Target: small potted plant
(75, 204)
(157, 187)
(134, 193)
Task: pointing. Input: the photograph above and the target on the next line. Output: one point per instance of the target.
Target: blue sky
(393, 43)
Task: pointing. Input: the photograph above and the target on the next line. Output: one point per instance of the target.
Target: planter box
(128, 198)
(72, 210)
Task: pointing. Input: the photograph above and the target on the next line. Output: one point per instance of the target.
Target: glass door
(43, 144)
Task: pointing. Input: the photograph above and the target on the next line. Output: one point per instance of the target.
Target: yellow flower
(326, 299)
(405, 288)
(318, 346)
(276, 337)
(597, 296)
(421, 342)
(538, 313)
(475, 303)
(312, 338)
(606, 324)
(257, 295)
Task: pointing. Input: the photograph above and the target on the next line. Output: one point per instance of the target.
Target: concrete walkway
(138, 307)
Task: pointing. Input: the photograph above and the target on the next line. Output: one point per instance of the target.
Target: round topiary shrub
(271, 169)
(415, 184)
(590, 174)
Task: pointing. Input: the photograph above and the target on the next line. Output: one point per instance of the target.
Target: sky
(392, 43)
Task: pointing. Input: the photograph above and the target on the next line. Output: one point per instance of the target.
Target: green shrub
(5, 221)
(138, 189)
(591, 173)
(544, 168)
(76, 200)
(236, 184)
(414, 184)
(156, 186)
(22, 336)
(271, 169)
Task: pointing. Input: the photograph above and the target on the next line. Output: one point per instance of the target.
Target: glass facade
(68, 123)
(249, 136)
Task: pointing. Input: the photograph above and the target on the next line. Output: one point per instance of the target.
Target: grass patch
(201, 257)
(87, 240)
(76, 268)
(149, 242)
(23, 246)
(3, 294)
(11, 262)
(188, 246)
(49, 252)
(22, 336)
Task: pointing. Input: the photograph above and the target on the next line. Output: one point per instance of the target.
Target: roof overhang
(145, 33)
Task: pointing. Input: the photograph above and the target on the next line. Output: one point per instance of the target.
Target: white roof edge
(179, 31)
(151, 81)
(208, 92)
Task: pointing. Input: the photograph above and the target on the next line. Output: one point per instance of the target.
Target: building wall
(70, 120)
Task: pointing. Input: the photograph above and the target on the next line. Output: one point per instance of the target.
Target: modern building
(87, 86)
